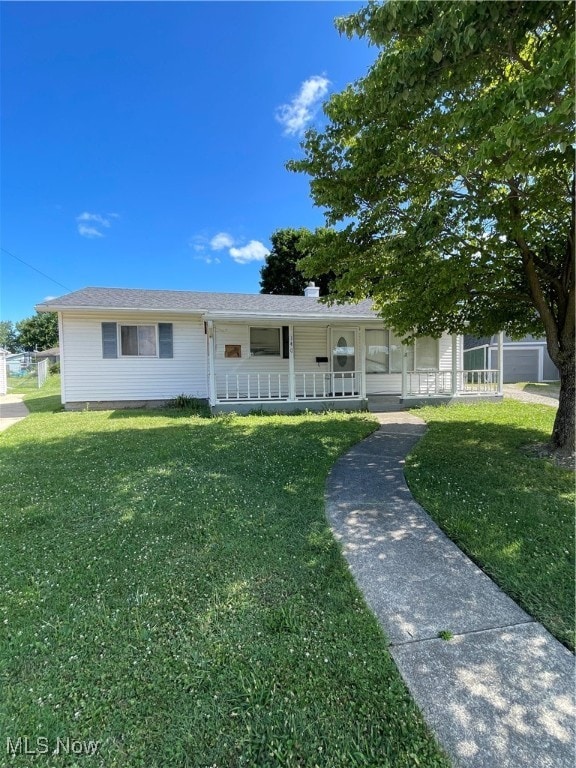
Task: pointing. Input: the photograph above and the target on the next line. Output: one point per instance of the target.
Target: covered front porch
(256, 366)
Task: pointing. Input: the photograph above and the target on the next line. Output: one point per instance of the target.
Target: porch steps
(386, 404)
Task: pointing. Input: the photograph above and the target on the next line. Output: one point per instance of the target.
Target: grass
(171, 590)
(514, 515)
(23, 384)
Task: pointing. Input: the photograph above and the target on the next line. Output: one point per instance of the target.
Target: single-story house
(52, 355)
(525, 359)
(121, 347)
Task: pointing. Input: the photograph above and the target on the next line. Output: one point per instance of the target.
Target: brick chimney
(312, 291)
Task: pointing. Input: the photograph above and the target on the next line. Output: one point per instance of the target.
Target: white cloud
(223, 241)
(296, 115)
(254, 251)
(88, 231)
(91, 224)
(220, 241)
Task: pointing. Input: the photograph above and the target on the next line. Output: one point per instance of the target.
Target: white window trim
(267, 327)
(138, 325)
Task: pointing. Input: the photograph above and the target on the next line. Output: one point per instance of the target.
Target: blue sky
(144, 144)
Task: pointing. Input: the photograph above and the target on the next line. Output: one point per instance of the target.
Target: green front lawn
(170, 589)
(511, 512)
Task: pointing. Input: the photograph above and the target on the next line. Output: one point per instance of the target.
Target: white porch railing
(325, 384)
(308, 385)
(429, 383)
(252, 386)
(478, 381)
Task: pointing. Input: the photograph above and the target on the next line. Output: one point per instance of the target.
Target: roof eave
(100, 308)
(287, 316)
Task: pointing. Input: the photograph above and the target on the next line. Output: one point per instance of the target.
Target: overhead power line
(35, 270)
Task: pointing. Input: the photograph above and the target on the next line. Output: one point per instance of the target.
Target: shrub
(189, 403)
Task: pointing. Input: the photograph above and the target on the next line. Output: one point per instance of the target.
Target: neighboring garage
(524, 360)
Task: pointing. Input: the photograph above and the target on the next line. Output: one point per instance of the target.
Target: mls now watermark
(42, 745)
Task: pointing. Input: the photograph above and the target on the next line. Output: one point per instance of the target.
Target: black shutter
(166, 347)
(285, 342)
(109, 340)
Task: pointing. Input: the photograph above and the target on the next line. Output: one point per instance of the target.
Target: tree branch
(543, 307)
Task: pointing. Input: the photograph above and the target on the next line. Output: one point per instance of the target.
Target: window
(138, 340)
(265, 342)
(427, 354)
(376, 351)
(396, 350)
(384, 352)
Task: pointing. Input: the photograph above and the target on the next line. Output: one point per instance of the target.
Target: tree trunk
(563, 432)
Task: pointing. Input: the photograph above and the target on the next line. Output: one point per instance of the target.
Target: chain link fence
(23, 375)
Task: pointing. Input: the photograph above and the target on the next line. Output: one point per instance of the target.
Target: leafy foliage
(8, 337)
(280, 274)
(450, 168)
(38, 332)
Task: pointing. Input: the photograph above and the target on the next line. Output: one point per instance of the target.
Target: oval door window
(342, 345)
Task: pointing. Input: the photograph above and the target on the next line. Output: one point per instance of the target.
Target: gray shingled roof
(196, 301)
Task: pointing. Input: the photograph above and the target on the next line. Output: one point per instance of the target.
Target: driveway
(12, 410)
(529, 397)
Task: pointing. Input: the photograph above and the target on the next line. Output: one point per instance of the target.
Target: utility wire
(35, 270)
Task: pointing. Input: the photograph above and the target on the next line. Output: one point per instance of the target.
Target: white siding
(87, 377)
(310, 342)
(446, 353)
(383, 383)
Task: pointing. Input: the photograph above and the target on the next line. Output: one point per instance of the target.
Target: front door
(343, 346)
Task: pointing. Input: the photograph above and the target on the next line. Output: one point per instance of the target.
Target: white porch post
(291, 378)
(362, 353)
(454, 364)
(211, 356)
(404, 372)
(500, 363)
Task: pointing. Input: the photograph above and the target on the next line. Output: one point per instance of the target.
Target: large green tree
(8, 336)
(280, 273)
(38, 332)
(449, 172)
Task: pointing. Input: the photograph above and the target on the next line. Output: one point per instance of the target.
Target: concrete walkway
(12, 410)
(500, 694)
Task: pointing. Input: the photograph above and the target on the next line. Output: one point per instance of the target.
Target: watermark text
(42, 745)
